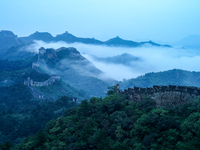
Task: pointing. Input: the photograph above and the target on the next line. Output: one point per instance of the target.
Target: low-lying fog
(150, 59)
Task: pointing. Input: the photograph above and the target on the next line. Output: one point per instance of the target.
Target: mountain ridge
(8, 39)
(169, 77)
(191, 41)
(73, 68)
(69, 38)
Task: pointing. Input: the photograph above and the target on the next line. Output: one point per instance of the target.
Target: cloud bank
(154, 59)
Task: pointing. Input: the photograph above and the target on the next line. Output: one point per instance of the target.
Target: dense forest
(116, 123)
(22, 115)
(15, 71)
(112, 122)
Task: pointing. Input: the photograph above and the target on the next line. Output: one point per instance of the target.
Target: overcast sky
(157, 20)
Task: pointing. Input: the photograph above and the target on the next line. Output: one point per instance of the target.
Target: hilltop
(169, 77)
(117, 123)
(69, 38)
(59, 79)
(9, 39)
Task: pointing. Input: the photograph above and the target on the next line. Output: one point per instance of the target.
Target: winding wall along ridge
(171, 95)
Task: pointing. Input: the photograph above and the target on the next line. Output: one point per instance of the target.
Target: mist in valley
(149, 59)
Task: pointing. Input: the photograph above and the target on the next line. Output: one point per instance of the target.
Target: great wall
(171, 95)
(50, 81)
(30, 83)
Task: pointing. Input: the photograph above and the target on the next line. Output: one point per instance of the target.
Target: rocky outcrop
(163, 95)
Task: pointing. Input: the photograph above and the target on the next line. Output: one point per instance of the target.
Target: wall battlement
(50, 81)
(163, 95)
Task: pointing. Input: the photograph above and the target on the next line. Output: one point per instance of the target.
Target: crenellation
(50, 81)
(163, 95)
(172, 87)
(125, 92)
(156, 88)
(165, 88)
(143, 90)
(149, 90)
(198, 91)
(136, 89)
(130, 91)
(191, 90)
(182, 89)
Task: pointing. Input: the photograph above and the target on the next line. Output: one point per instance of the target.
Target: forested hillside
(74, 69)
(115, 123)
(56, 121)
(22, 115)
(8, 39)
(15, 71)
(169, 77)
(60, 88)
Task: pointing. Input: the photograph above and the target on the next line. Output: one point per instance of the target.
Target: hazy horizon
(159, 21)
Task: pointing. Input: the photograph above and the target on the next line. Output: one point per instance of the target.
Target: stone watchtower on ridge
(36, 64)
(28, 82)
(42, 51)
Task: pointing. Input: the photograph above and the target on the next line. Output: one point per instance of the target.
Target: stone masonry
(171, 95)
(50, 81)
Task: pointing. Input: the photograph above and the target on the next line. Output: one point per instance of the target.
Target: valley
(39, 84)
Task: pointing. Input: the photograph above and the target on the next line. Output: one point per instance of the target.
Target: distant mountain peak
(116, 38)
(191, 41)
(66, 34)
(151, 43)
(41, 33)
(44, 36)
(117, 41)
(7, 40)
(70, 38)
(124, 59)
(7, 33)
(66, 37)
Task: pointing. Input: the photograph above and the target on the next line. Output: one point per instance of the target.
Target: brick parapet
(162, 95)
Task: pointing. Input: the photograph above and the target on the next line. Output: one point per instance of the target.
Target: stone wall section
(163, 95)
(50, 81)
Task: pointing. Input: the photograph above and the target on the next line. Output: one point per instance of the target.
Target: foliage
(22, 115)
(170, 77)
(6, 146)
(14, 65)
(112, 90)
(14, 96)
(74, 69)
(60, 88)
(15, 71)
(116, 123)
